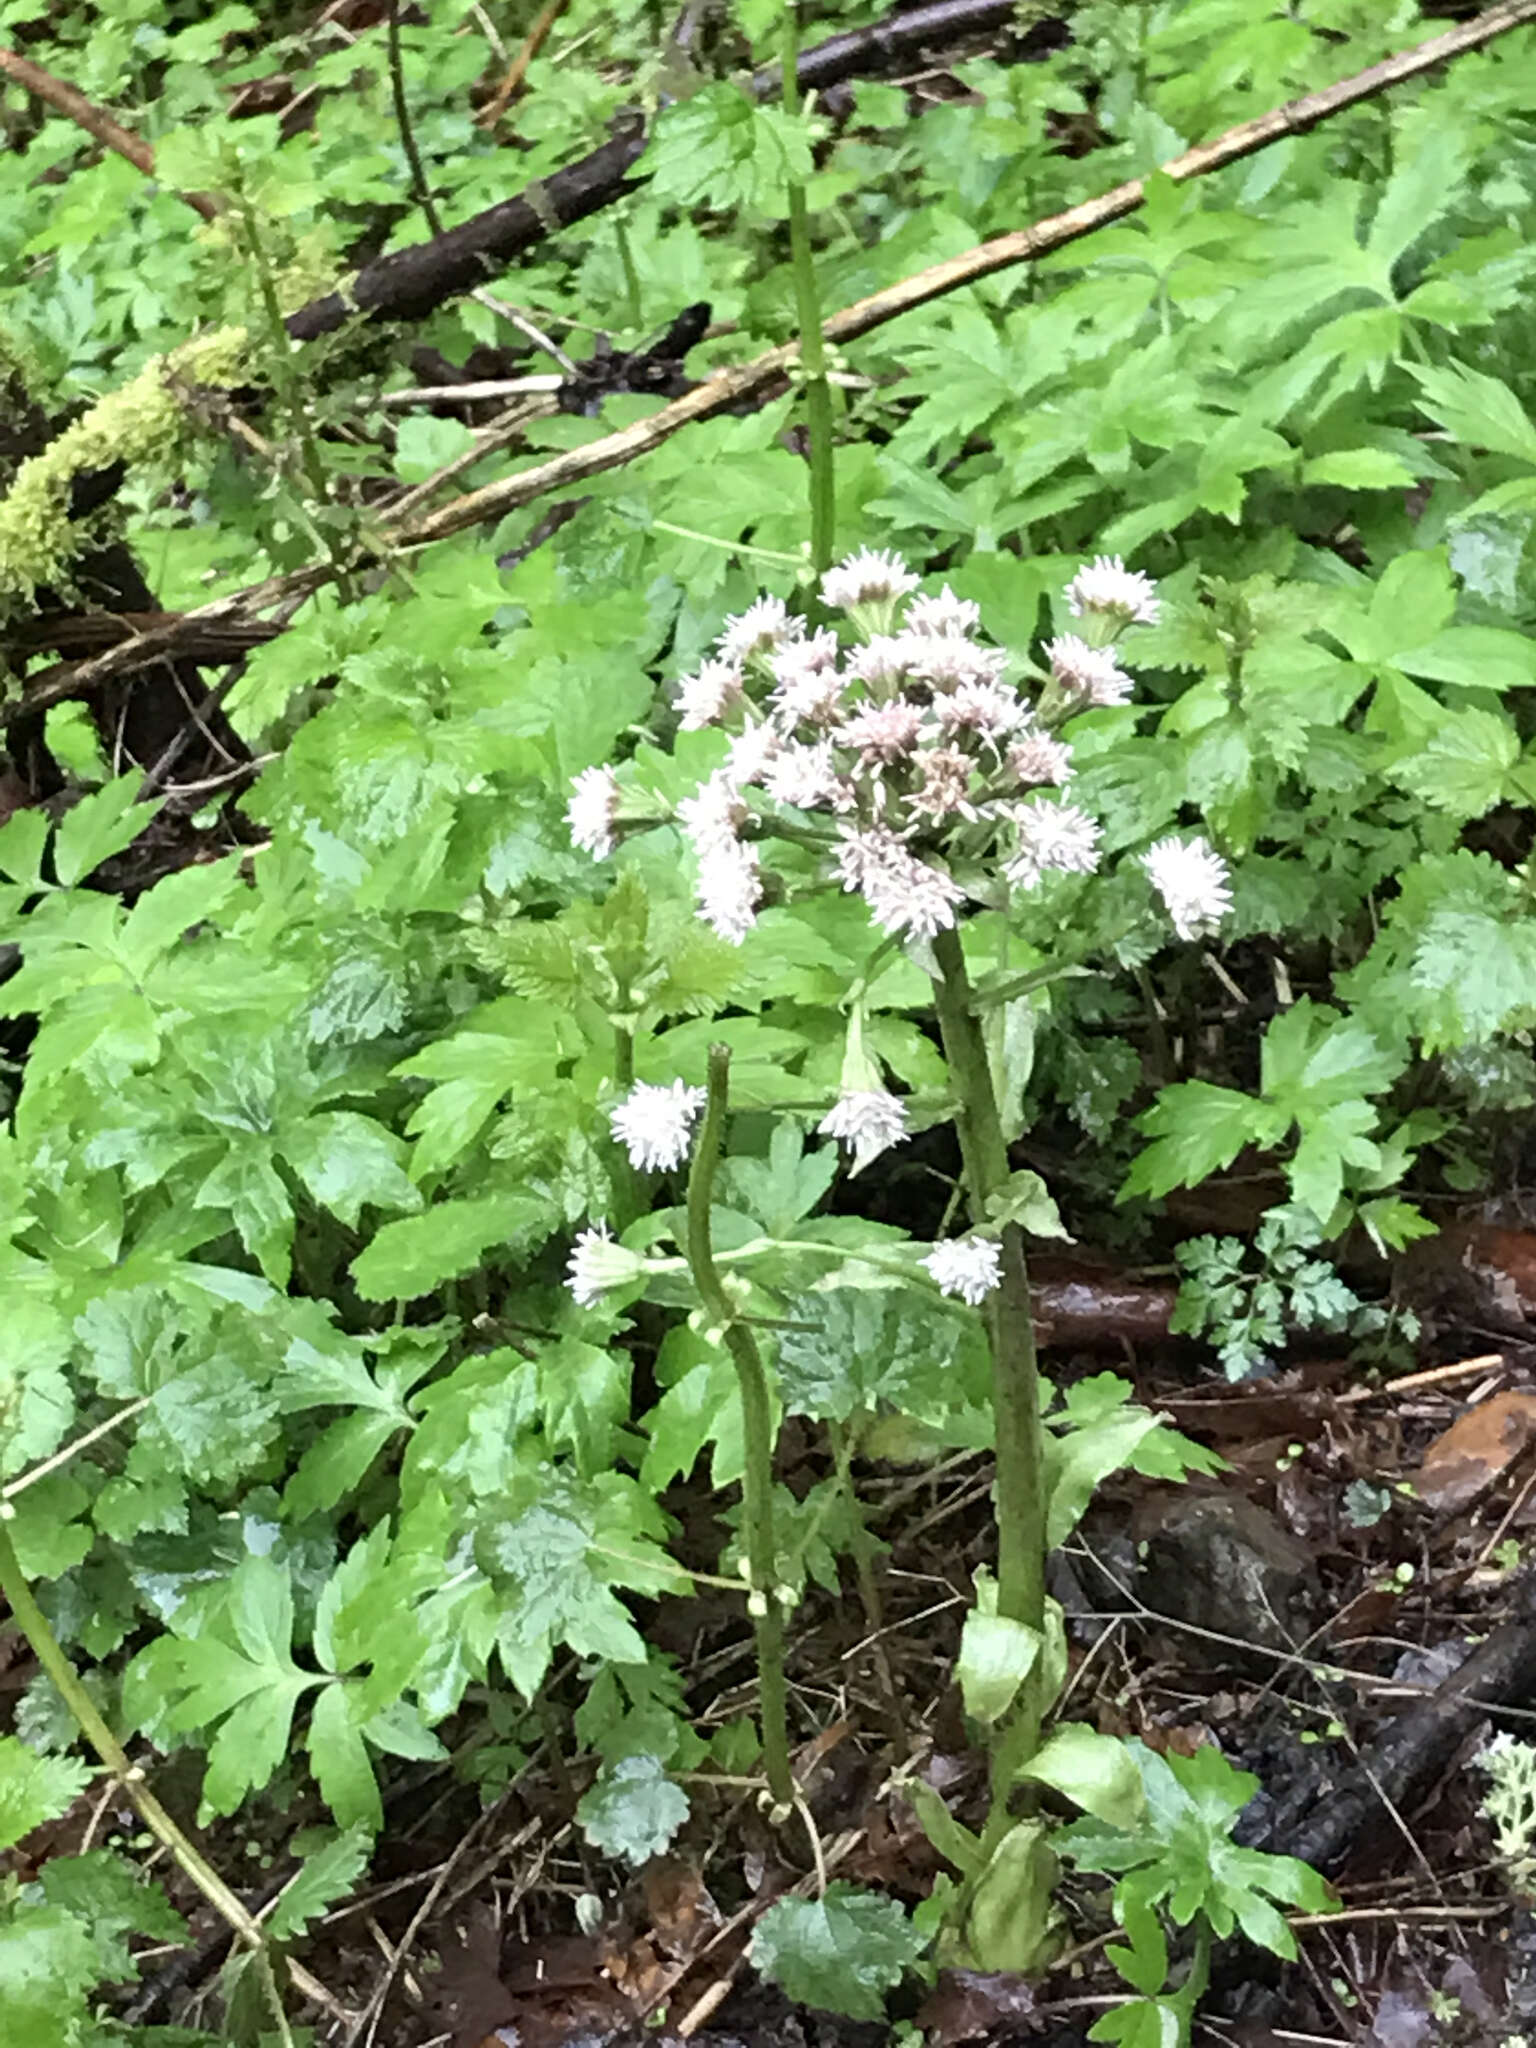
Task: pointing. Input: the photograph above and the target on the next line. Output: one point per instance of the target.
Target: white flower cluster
(905, 752)
(909, 740)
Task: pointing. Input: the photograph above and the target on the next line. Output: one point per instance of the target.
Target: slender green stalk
(631, 276)
(813, 347)
(757, 1434)
(863, 1546)
(45, 1646)
(1010, 1322)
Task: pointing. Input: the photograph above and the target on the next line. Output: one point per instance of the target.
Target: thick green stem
(45, 1646)
(757, 1435)
(813, 347)
(1010, 1320)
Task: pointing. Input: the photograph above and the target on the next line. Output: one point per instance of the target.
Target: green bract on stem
(757, 1433)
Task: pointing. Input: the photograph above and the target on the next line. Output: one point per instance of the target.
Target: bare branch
(74, 105)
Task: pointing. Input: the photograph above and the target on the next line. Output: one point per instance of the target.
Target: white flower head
(945, 792)
(593, 811)
(759, 630)
(1193, 881)
(704, 698)
(883, 660)
(884, 732)
(1107, 587)
(713, 816)
(655, 1125)
(597, 1264)
(967, 1266)
(945, 614)
(990, 709)
(949, 661)
(1052, 836)
(728, 890)
(751, 752)
(868, 577)
(1037, 759)
(808, 690)
(1088, 672)
(867, 1121)
(806, 778)
(904, 894)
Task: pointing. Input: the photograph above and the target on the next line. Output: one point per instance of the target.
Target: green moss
(146, 418)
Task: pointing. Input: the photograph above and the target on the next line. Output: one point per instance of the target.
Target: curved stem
(757, 1434)
(45, 1646)
(421, 191)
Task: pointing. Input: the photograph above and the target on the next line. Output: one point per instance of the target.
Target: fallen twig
(73, 104)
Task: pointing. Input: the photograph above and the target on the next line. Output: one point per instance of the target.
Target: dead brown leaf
(1478, 1448)
(966, 2004)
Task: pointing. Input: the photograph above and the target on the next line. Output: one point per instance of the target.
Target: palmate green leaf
(786, 1186)
(248, 1188)
(34, 1788)
(1185, 1859)
(555, 1548)
(1197, 1129)
(634, 1810)
(696, 1410)
(1480, 410)
(97, 827)
(862, 1348)
(718, 148)
(475, 1068)
(237, 1678)
(47, 1965)
(840, 1953)
(112, 1899)
(1464, 767)
(326, 1875)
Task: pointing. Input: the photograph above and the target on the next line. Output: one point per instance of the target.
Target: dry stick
(745, 380)
(729, 386)
(512, 84)
(74, 105)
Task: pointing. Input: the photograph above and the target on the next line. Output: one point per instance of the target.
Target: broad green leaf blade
(996, 1656)
(1096, 1772)
(840, 1953)
(634, 1810)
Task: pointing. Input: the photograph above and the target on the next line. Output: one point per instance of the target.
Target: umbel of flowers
(934, 778)
(929, 780)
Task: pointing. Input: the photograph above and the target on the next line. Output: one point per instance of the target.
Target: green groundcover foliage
(297, 1140)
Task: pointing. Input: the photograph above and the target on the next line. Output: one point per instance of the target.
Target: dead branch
(730, 386)
(747, 380)
(74, 105)
(410, 283)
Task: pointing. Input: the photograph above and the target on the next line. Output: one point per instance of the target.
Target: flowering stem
(45, 1646)
(813, 348)
(1010, 1319)
(757, 1434)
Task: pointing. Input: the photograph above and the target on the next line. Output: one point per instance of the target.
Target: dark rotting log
(1326, 1818)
